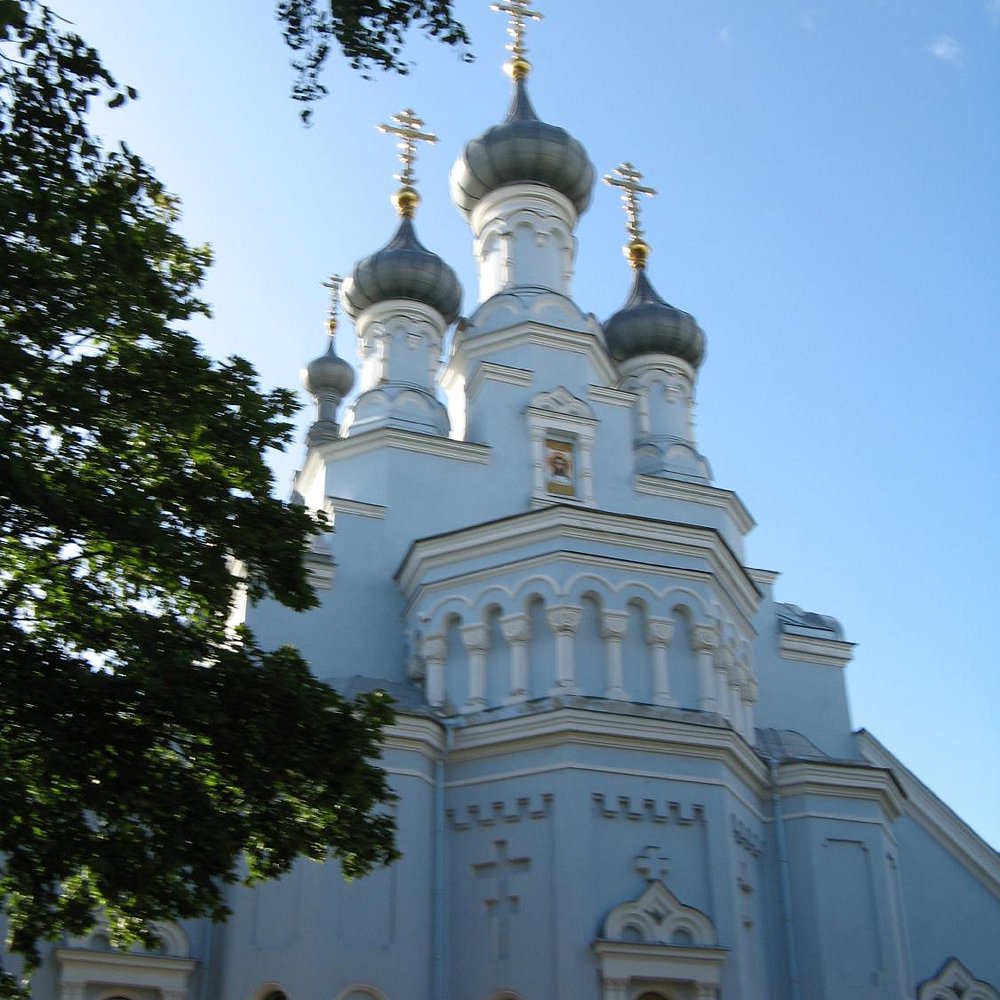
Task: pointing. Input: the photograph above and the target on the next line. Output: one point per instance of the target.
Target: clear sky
(829, 178)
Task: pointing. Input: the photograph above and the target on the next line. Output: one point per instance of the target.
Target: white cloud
(947, 49)
(726, 34)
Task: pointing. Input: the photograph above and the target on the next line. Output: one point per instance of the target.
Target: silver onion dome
(522, 149)
(328, 373)
(403, 269)
(648, 325)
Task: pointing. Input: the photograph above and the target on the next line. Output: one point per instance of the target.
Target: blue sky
(829, 176)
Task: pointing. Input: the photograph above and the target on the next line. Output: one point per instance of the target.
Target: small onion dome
(648, 325)
(328, 373)
(522, 149)
(403, 269)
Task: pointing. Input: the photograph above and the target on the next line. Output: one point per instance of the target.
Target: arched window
(276, 995)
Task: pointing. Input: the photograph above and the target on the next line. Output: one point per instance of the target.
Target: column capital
(434, 647)
(476, 637)
(516, 628)
(563, 619)
(660, 631)
(704, 639)
(725, 659)
(613, 624)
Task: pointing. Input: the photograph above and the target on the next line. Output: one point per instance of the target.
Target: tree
(149, 753)
(370, 33)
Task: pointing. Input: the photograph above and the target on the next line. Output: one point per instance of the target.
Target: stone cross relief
(501, 902)
(653, 864)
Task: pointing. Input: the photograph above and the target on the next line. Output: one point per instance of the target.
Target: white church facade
(625, 770)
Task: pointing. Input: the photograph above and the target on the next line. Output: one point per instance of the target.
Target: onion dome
(522, 149)
(329, 373)
(328, 378)
(403, 269)
(648, 325)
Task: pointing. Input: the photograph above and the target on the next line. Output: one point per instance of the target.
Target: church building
(625, 769)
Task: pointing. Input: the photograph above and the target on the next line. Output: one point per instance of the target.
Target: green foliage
(370, 33)
(149, 754)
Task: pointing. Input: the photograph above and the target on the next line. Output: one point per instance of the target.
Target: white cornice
(808, 649)
(611, 730)
(470, 349)
(632, 962)
(563, 522)
(927, 810)
(675, 489)
(420, 733)
(616, 397)
(389, 437)
(341, 505)
(490, 371)
(763, 577)
(129, 970)
(851, 781)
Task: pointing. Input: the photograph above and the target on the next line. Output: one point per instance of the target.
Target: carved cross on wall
(501, 903)
(652, 864)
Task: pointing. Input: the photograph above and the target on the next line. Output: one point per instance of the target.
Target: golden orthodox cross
(627, 179)
(333, 283)
(518, 11)
(407, 129)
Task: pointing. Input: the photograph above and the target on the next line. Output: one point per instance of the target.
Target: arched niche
(657, 947)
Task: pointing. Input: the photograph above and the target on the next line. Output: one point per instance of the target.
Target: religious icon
(560, 468)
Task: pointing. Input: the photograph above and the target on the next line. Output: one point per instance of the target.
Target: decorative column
(563, 620)
(736, 704)
(724, 664)
(749, 700)
(704, 642)
(516, 630)
(659, 633)
(476, 639)
(434, 650)
(613, 625)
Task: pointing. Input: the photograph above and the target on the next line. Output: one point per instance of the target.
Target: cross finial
(333, 283)
(518, 11)
(627, 178)
(407, 128)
